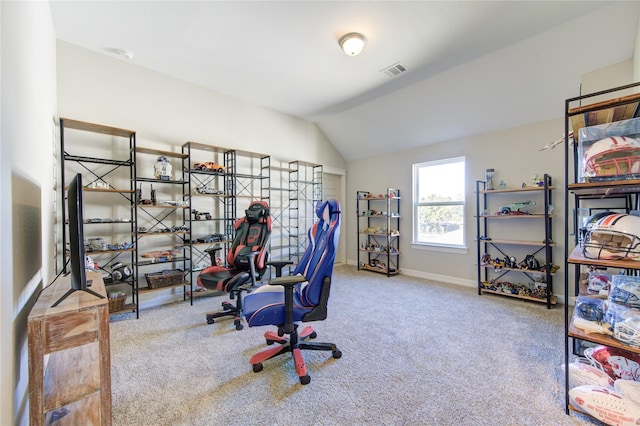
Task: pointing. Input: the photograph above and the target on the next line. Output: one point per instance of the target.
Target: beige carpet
(414, 353)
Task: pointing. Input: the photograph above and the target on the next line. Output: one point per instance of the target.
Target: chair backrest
(252, 234)
(317, 262)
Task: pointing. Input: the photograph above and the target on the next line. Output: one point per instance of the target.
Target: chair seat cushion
(265, 306)
(217, 278)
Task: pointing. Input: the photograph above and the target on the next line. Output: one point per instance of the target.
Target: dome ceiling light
(352, 43)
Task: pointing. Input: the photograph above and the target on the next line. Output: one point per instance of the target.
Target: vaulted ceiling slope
(472, 66)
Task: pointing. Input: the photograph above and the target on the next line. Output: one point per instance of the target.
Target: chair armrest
(213, 249)
(288, 281)
(279, 264)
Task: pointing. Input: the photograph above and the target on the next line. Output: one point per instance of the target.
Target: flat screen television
(76, 240)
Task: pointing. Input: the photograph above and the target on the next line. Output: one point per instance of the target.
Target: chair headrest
(257, 210)
(320, 206)
(332, 204)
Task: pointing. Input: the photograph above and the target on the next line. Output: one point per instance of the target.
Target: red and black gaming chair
(302, 297)
(246, 261)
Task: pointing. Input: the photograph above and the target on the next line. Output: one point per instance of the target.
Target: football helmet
(614, 236)
(626, 293)
(599, 280)
(615, 155)
(628, 331)
(617, 363)
(590, 309)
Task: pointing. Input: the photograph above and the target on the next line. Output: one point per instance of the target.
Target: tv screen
(76, 240)
(76, 234)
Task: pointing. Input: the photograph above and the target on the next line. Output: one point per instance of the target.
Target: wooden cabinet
(378, 231)
(514, 242)
(69, 356)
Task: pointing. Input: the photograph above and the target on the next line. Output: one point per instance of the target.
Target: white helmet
(615, 155)
(614, 236)
(628, 331)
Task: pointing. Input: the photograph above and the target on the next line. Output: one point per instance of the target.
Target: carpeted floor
(414, 353)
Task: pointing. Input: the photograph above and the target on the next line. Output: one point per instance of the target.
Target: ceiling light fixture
(127, 54)
(352, 43)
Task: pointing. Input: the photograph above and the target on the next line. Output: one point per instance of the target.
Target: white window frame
(453, 248)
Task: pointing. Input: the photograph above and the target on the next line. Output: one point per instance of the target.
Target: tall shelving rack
(168, 225)
(210, 193)
(164, 222)
(279, 248)
(305, 190)
(603, 107)
(110, 175)
(248, 179)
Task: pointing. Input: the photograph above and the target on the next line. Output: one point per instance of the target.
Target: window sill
(442, 249)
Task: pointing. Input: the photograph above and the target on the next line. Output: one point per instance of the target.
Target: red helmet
(615, 155)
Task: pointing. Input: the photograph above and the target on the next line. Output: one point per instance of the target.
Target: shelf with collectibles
(378, 231)
(519, 268)
(602, 284)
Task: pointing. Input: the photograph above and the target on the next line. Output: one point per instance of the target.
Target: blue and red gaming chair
(301, 297)
(246, 259)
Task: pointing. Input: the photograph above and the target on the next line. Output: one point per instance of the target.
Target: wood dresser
(69, 356)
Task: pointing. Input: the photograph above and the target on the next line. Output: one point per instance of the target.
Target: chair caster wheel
(227, 306)
(313, 335)
(257, 368)
(336, 354)
(305, 380)
(270, 342)
(239, 327)
(210, 320)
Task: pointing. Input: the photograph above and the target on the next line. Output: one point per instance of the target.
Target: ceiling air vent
(394, 70)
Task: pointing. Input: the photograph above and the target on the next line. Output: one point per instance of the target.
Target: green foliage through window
(439, 202)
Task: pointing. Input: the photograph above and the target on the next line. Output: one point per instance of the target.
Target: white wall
(166, 112)
(514, 153)
(516, 156)
(28, 106)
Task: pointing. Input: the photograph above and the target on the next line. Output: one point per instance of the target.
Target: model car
(201, 215)
(207, 190)
(95, 244)
(211, 166)
(211, 238)
(517, 208)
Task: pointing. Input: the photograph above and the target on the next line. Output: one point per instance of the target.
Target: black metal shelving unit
(165, 223)
(305, 190)
(379, 231)
(608, 106)
(491, 268)
(108, 185)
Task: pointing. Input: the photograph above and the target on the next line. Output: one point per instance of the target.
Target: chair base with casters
(233, 282)
(275, 300)
(296, 343)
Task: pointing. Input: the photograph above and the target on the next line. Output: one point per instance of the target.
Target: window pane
(441, 182)
(440, 225)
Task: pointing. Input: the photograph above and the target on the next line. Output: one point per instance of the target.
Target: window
(438, 203)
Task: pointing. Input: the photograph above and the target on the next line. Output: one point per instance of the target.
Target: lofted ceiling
(472, 66)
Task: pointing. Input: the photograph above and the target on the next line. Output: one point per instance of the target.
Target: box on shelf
(116, 301)
(610, 151)
(164, 278)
